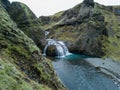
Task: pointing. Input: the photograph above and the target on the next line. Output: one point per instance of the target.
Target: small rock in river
(115, 83)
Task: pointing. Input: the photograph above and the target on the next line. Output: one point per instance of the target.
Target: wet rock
(51, 51)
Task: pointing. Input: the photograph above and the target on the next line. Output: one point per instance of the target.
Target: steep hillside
(27, 22)
(22, 67)
(91, 29)
(111, 46)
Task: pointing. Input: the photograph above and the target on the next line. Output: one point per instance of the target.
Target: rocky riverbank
(107, 66)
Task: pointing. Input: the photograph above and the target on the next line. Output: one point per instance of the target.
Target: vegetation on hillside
(22, 66)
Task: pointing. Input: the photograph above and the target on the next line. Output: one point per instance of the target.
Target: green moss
(12, 79)
(61, 32)
(59, 14)
(18, 54)
(19, 50)
(44, 70)
(112, 46)
(44, 75)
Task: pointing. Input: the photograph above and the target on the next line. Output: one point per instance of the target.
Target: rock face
(91, 40)
(5, 3)
(51, 51)
(85, 12)
(22, 67)
(27, 22)
(90, 28)
(72, 17)
(89, 2)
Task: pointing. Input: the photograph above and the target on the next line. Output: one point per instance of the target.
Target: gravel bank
(107, 66)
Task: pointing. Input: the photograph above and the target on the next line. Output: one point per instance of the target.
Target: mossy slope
(22, 67)
(27, 22)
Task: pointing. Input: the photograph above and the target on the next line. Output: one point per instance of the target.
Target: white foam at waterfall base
(62, 50)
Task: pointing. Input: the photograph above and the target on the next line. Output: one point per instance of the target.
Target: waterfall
(46, 33)
(60, 47)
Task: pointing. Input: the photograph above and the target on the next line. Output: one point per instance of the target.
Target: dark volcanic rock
(5, 3)
(91, 39)
(89, 2)
(51, 51)
(84, 12)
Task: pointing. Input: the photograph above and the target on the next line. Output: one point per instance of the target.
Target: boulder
(51, 51)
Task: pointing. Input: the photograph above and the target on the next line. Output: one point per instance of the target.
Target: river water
(77, 74)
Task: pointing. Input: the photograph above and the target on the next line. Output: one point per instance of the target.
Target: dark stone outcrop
(73, 17)
(86, 10)
(91, 39)
(51, 51)
(5, 3)
(89, 2)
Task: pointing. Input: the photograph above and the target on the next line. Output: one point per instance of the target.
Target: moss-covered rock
(22, 67)
(11, 78)
(27, 22)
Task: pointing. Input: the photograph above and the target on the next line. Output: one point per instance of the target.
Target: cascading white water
(62, 50)
(46, 33)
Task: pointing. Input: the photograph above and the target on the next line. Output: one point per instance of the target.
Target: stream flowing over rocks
(89, 29)
(55, 48)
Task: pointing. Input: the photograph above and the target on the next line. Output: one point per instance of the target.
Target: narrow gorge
(75, 49)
